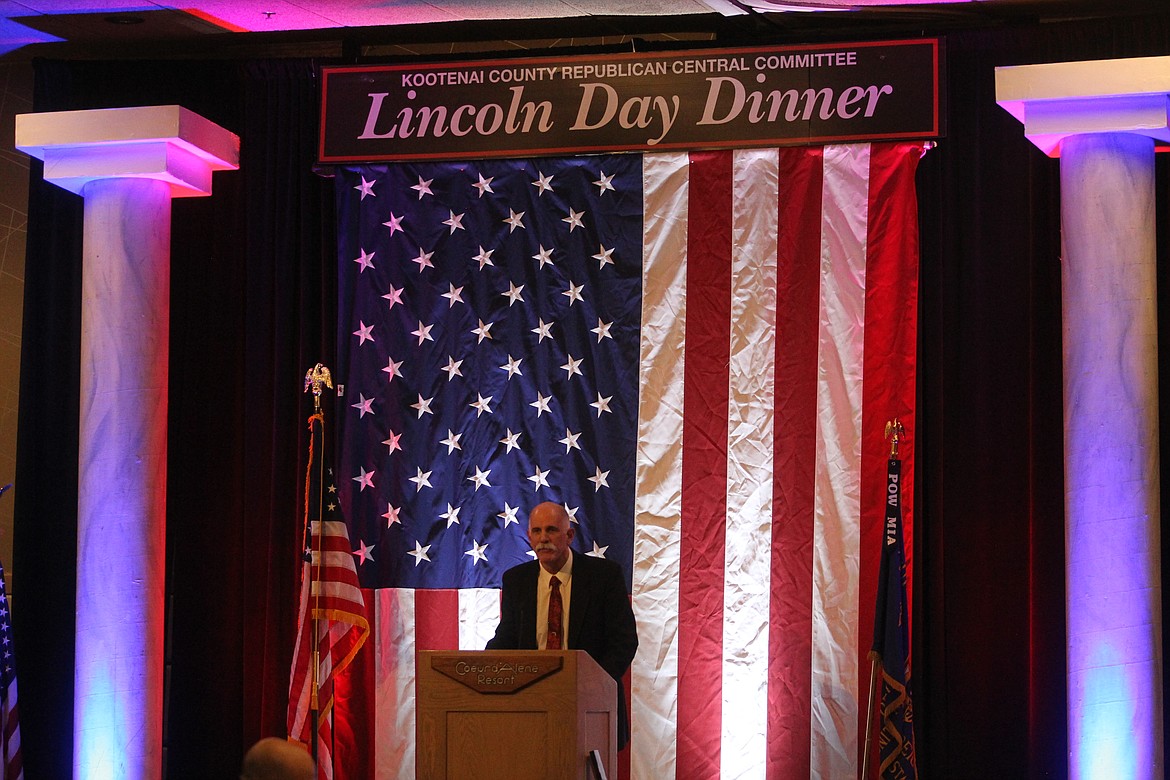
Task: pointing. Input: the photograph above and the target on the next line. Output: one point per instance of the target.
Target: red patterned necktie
(555, 613)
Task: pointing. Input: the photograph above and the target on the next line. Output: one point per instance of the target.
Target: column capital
(166, 143)
(1056, 100)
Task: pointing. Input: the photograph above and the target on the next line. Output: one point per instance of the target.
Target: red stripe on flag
(892, 192)
(354, 710)
(891, 295)
(704, 465)
(436, 619)
(797, 325)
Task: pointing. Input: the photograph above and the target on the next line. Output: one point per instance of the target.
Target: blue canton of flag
(488, 348)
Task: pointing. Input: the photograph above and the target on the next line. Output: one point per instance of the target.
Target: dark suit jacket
(601, 621)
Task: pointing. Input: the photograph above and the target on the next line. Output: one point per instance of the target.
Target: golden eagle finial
(317, 377)
(894, 432)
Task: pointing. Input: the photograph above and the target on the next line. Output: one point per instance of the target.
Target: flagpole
(316, 378)
(873, 667)
(894, 433)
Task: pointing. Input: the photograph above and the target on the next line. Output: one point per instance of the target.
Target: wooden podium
(514, 715)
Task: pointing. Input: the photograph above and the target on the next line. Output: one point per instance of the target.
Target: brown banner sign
(495, 675)
(708, 99)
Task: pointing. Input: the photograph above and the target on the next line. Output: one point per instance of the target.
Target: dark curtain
(989, 642)
(252, 309)
(252, 291)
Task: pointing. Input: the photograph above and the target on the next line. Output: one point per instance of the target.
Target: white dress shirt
(543, 589)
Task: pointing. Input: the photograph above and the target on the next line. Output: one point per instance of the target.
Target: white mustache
(545, 546)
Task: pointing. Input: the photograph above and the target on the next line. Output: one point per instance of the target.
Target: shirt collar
(565, 572)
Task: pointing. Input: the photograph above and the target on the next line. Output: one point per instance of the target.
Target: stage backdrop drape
(696, 355)
(989, 593)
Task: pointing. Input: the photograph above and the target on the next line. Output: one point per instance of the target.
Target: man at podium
(563, 601)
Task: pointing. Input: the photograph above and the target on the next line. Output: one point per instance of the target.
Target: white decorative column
(1101, 119)
(127, 163)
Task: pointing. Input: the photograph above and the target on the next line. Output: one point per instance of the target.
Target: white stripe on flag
(657, 503)
(394, 697)
(479, 614)
(836, 533)
(749, 463)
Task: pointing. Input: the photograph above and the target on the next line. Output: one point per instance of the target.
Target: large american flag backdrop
(696, 354)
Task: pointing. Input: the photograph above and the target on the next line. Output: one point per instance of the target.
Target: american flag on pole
(331, 610)
(13, 765)
(692, 352)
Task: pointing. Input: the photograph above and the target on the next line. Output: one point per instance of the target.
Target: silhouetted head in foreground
(273, 758)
